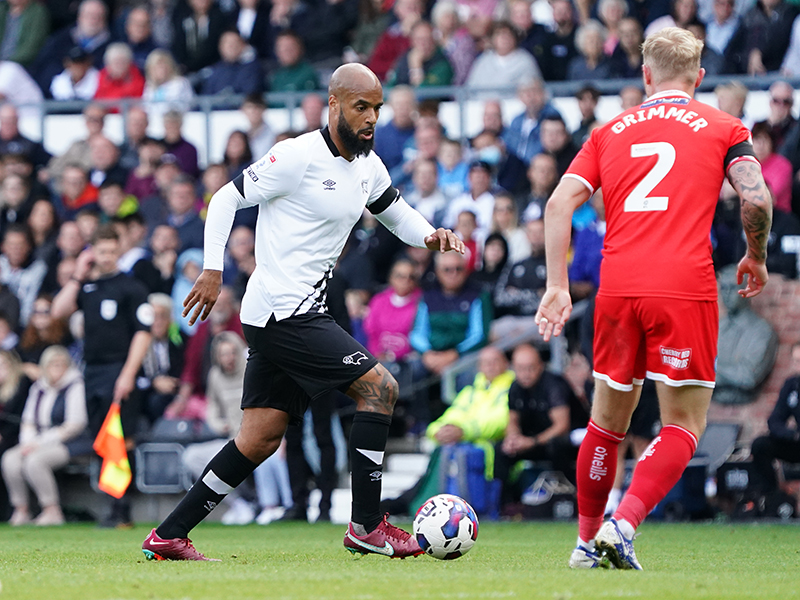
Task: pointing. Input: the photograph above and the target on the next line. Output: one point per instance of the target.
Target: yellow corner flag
(115, 475)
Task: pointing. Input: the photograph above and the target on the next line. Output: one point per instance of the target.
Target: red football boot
(156, 548)
(385, 539)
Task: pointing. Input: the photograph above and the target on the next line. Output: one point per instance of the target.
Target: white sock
(588, 546)
(626, 528)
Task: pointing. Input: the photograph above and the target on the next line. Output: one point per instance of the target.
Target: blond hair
(672, 54)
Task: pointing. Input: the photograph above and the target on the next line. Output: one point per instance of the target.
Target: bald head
(352, 77)
(527, 364)
(492, 362)
(355, 98)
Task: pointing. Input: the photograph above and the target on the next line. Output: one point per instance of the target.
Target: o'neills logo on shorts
(677, 359)
(599, 469)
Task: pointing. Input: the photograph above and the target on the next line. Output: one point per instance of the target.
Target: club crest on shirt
(108, 309)
(356, 358)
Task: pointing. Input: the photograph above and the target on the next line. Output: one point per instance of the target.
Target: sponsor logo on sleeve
(252, 174)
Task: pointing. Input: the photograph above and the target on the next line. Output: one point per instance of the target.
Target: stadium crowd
(145, 200)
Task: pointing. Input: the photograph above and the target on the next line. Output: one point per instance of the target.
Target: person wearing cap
(78, 80)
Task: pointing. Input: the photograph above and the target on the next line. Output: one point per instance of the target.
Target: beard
(352, 143)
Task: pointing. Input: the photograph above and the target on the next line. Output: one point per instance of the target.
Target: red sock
(658, 470)
(597, 465)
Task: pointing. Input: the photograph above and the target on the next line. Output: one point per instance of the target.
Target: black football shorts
(294, 360)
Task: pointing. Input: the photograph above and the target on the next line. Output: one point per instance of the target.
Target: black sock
(367, 444)
(222, 474)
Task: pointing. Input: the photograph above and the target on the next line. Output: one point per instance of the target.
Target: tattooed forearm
(376, 391)
(748, 182)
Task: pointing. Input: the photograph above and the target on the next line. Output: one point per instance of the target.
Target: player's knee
(391, 392)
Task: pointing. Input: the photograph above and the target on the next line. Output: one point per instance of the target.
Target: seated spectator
(120, 77)
(164, 244)
(252, 22)
(239, 71)
(161, 17)
(138, 35)
(78, 80)
(24, 25)
(558, 46)
(87, 220)
(181, 204)
(312, 107)
(626, 62)
(766, 29)
(504, 65)
(531, 34)
(780, 119)
(592, 62)
(12, 142)
(17, 201)
(557, 142)
(722, 27)
(184, 152)
(395, 40)
(506, 222)
(238, 155)
(424, 145)
(587, 97)
(713, 63)
(164, 88)
(453, 171)
(493, 261)
(392, 137)
(42, 332)
(259, 133)
(240, 259)
(790, 67)
(113, 203)
(163, 363)
(43, 223)
(538, 420)
(14, 386)
(154, 208)
(19, 271)
(522, 136)
(69, 242)
(454, 39)
(478, 199)
(611, 13)
(731, 98)
(136, 123)
(782, 442)
(426, 196)
(90, 32)
(79, 153)
(198, 26)
(373, 19)
(493, 116)
(134, 259)
(489, 147)
(104, 157)
(424, 64)
(214, 177)
(187, 269)
(54, 414)
(141, 181)
(777, 169)
(465, 229)
(76, 193)
(584, 272)
(294, 73)
(19, 88)
(682, 14)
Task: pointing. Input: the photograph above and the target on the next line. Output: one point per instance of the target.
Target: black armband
(738, 151)
(388, 198)
(238, 183)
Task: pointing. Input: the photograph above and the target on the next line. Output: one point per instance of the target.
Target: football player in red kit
(661, 166)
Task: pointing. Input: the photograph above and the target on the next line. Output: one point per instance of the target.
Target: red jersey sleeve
(585, 167)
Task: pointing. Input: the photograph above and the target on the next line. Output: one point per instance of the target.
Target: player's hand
(554, 310)
(123, 387)
(444, 240)
(83, 265)
(204, 294)
(756, 276)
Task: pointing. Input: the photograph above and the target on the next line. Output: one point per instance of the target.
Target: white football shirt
(309, 198)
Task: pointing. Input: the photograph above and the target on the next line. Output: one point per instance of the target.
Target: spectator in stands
(611, 13)
(13, 142)
(790, 67)
(510, 170)
(424, 64)
(767, 29)
(780, 119)
(24, 25)
(78, 80)
(558, 48)
(395, 40)
(584, 272)
(181, 203)
(113, 203)
(453, 169)
(241, 254)
(782, 441)
(164, 244)
(162, 22)
(238, 155)
(164, 88)
(90, 33)
(630, 96)
(626, 62)
(79, 153)
(424, 145)
(294, 72)
(312, 107)
(198, 26)
(238, 71)
(713, 63)
(591, 63)
(531, 35)
(55, 413)
(42, 332)
(325, 28)
(557, 142)
(104, 156)
(392, 137)
(454, 39)
(682, 14)
(259, 134)
(19, 88)
(14, 386)
(69, 242)
(587, 97)
(214, 177)
(163, 363)
(777, 169)
(731, 98)
(185, 153)
(252, 22)
(721, 28)
(426, 196)
(479, 199)
(522, 136)
(465, 228)
(493, 261)
(141, 182)
(87, 220)
(154, 208)
(120, 77)
(136, 123)
(17, 201)
(538, 420)
(505, 221)
(19, 271)
(9, 306)
(452, 319)
(373, 19)
(493, 117)
(504, 65)
(138, 35)
(43, 223)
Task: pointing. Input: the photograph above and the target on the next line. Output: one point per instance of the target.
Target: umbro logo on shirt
(328, 184)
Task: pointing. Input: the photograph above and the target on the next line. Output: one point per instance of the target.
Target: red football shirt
(661, 166)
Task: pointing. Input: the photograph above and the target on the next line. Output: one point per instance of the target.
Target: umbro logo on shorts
(356, 358)
(376, 475)
(328, 184)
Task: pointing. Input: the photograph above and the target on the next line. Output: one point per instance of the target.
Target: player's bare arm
(203, 295)
(756, 214)
(444, 240)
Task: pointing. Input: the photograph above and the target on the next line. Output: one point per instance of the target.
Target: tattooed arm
(747, 180)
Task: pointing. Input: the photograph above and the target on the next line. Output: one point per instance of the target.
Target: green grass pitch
(297, 561)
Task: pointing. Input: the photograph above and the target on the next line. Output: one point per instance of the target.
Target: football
(446, 527)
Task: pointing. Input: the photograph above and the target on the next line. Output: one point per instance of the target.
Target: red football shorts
(665, 339)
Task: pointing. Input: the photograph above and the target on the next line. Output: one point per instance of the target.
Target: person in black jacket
(198, 28)
(783, 439)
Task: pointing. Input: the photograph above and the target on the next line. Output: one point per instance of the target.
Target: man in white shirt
(310, 191)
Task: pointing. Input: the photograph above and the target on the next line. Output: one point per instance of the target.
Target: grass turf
(288, 561)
